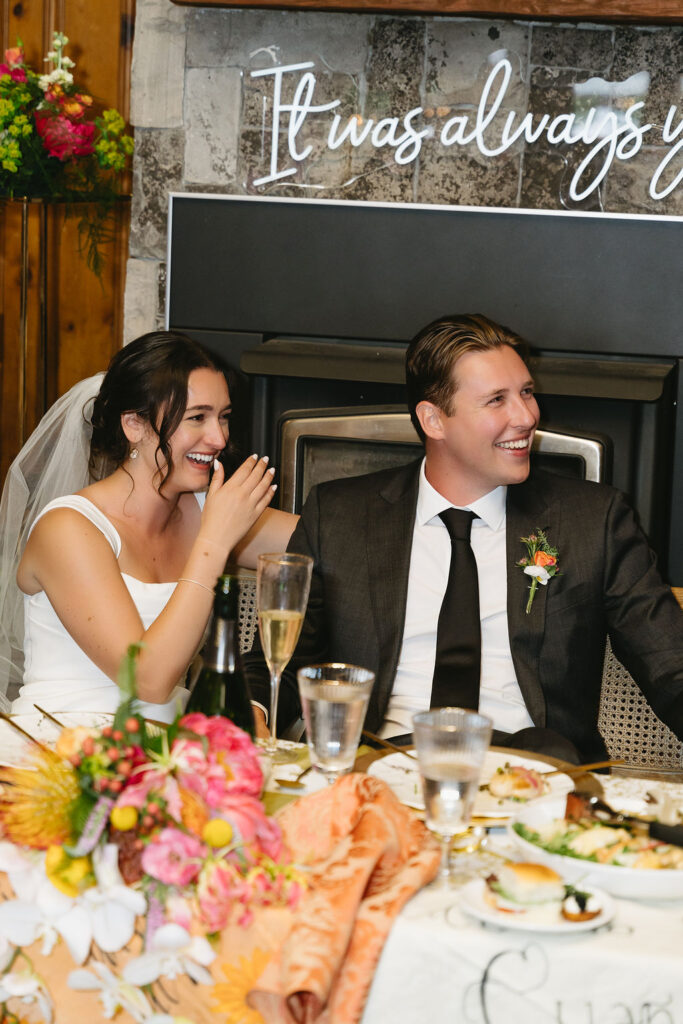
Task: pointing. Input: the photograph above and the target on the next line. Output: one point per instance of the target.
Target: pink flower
(256, 831)
(16, 74)
(178, 911)
(14, 55)
(63, 139)
(231, 749)
(219, 887)
(173, 857)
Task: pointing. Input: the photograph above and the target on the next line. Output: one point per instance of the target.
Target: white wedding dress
(58, 675)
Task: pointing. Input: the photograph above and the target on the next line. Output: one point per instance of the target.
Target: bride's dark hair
(149, 377)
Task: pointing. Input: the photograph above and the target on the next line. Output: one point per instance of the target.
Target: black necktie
(458, 638)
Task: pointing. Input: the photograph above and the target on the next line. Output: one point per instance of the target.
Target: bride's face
(203, 431)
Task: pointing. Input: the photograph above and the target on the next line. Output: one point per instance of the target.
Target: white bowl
(630, 883)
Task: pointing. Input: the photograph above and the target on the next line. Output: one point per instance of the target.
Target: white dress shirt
(430, 559)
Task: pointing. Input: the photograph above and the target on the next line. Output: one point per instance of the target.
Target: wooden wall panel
(644, 11)
(84, 314)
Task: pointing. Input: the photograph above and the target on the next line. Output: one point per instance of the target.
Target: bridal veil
(53, 462)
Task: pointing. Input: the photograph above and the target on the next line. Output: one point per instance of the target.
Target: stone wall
(202, 123)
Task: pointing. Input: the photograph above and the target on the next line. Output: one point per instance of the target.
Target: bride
(134, 556)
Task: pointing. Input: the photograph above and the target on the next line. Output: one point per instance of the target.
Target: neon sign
(610, 135)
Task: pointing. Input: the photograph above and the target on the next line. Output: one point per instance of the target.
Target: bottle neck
(221, 651)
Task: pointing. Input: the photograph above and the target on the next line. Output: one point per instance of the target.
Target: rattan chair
(628, 724)
(247, 611)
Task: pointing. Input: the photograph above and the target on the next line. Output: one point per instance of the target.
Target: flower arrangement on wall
(53, 144)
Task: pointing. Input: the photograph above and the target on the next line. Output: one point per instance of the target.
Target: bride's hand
(232, 506)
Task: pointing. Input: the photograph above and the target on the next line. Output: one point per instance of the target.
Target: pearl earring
(134, 453)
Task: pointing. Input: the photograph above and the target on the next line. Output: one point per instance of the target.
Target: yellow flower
(35, 806)
(68, 874)
(231, 995)
(124, 818)
(217, 832)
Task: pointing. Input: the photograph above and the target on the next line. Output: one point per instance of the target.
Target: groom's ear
(133, 427)
(430, 417)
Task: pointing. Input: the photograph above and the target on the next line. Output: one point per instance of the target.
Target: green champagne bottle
(221, 687)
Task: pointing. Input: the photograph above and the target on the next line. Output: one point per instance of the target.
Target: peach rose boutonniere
(540, 563)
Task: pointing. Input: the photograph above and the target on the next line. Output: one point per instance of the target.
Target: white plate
(403, 777)
(630, 883)
(14, 747)
(536, 919)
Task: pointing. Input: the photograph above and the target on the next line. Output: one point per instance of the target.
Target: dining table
(436, 957)
(443, 965)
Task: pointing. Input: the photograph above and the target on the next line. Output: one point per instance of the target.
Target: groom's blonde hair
(434, 351)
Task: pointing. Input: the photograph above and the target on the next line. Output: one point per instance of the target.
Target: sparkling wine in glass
(334, 699)
(451, 744)
(282, 585)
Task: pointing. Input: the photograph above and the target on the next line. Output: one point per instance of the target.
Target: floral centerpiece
(128, 823)
(53, 145)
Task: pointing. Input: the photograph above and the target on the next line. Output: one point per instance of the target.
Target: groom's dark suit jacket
(359, 533)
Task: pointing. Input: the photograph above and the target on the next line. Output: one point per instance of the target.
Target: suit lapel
(527, 510)
(391, 517)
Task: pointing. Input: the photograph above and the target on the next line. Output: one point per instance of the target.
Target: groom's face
(485, 437)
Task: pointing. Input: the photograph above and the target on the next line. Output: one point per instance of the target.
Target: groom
(384, 596)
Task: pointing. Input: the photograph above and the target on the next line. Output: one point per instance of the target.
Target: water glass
(334, 699)
(451, 744)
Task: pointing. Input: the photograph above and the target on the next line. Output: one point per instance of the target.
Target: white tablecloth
(444, 967)
(441, 966)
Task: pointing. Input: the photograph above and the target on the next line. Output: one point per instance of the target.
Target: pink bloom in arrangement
(173, 857)
(14, 55)
(178, 911)
(231, 749)
(219, 888)
(16, 74)
(257, 833)
(63, 139)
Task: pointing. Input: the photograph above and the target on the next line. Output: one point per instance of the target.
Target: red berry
(107, 730)
(154, 809)
(117, 735)
(112, 753)
(88, 746)
(115, 786)
(132, 725)
(124, 768)
(75, 760)
(147, 821)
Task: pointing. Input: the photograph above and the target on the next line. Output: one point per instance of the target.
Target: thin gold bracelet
(185, 579)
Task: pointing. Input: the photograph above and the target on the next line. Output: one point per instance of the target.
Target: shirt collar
(490, 507)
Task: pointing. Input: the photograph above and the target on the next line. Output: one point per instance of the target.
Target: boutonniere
(540, 563)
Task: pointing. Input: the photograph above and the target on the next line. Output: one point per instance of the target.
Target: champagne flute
(451, 744)
(282, 585)
(334, 699)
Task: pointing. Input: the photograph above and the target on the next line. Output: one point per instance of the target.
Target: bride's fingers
(217, 478)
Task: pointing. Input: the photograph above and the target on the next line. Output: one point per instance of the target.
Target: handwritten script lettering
(609, 136)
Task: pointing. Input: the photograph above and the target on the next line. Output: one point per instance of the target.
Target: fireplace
(315, 302)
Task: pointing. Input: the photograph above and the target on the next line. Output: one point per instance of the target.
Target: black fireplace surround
(316, 300)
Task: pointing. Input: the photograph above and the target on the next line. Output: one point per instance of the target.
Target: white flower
(539, 572)
(172, 951)
(59, 76)
(40, 912)
(112, 906)
(105, 912)
(27, 986)
(115, 993)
